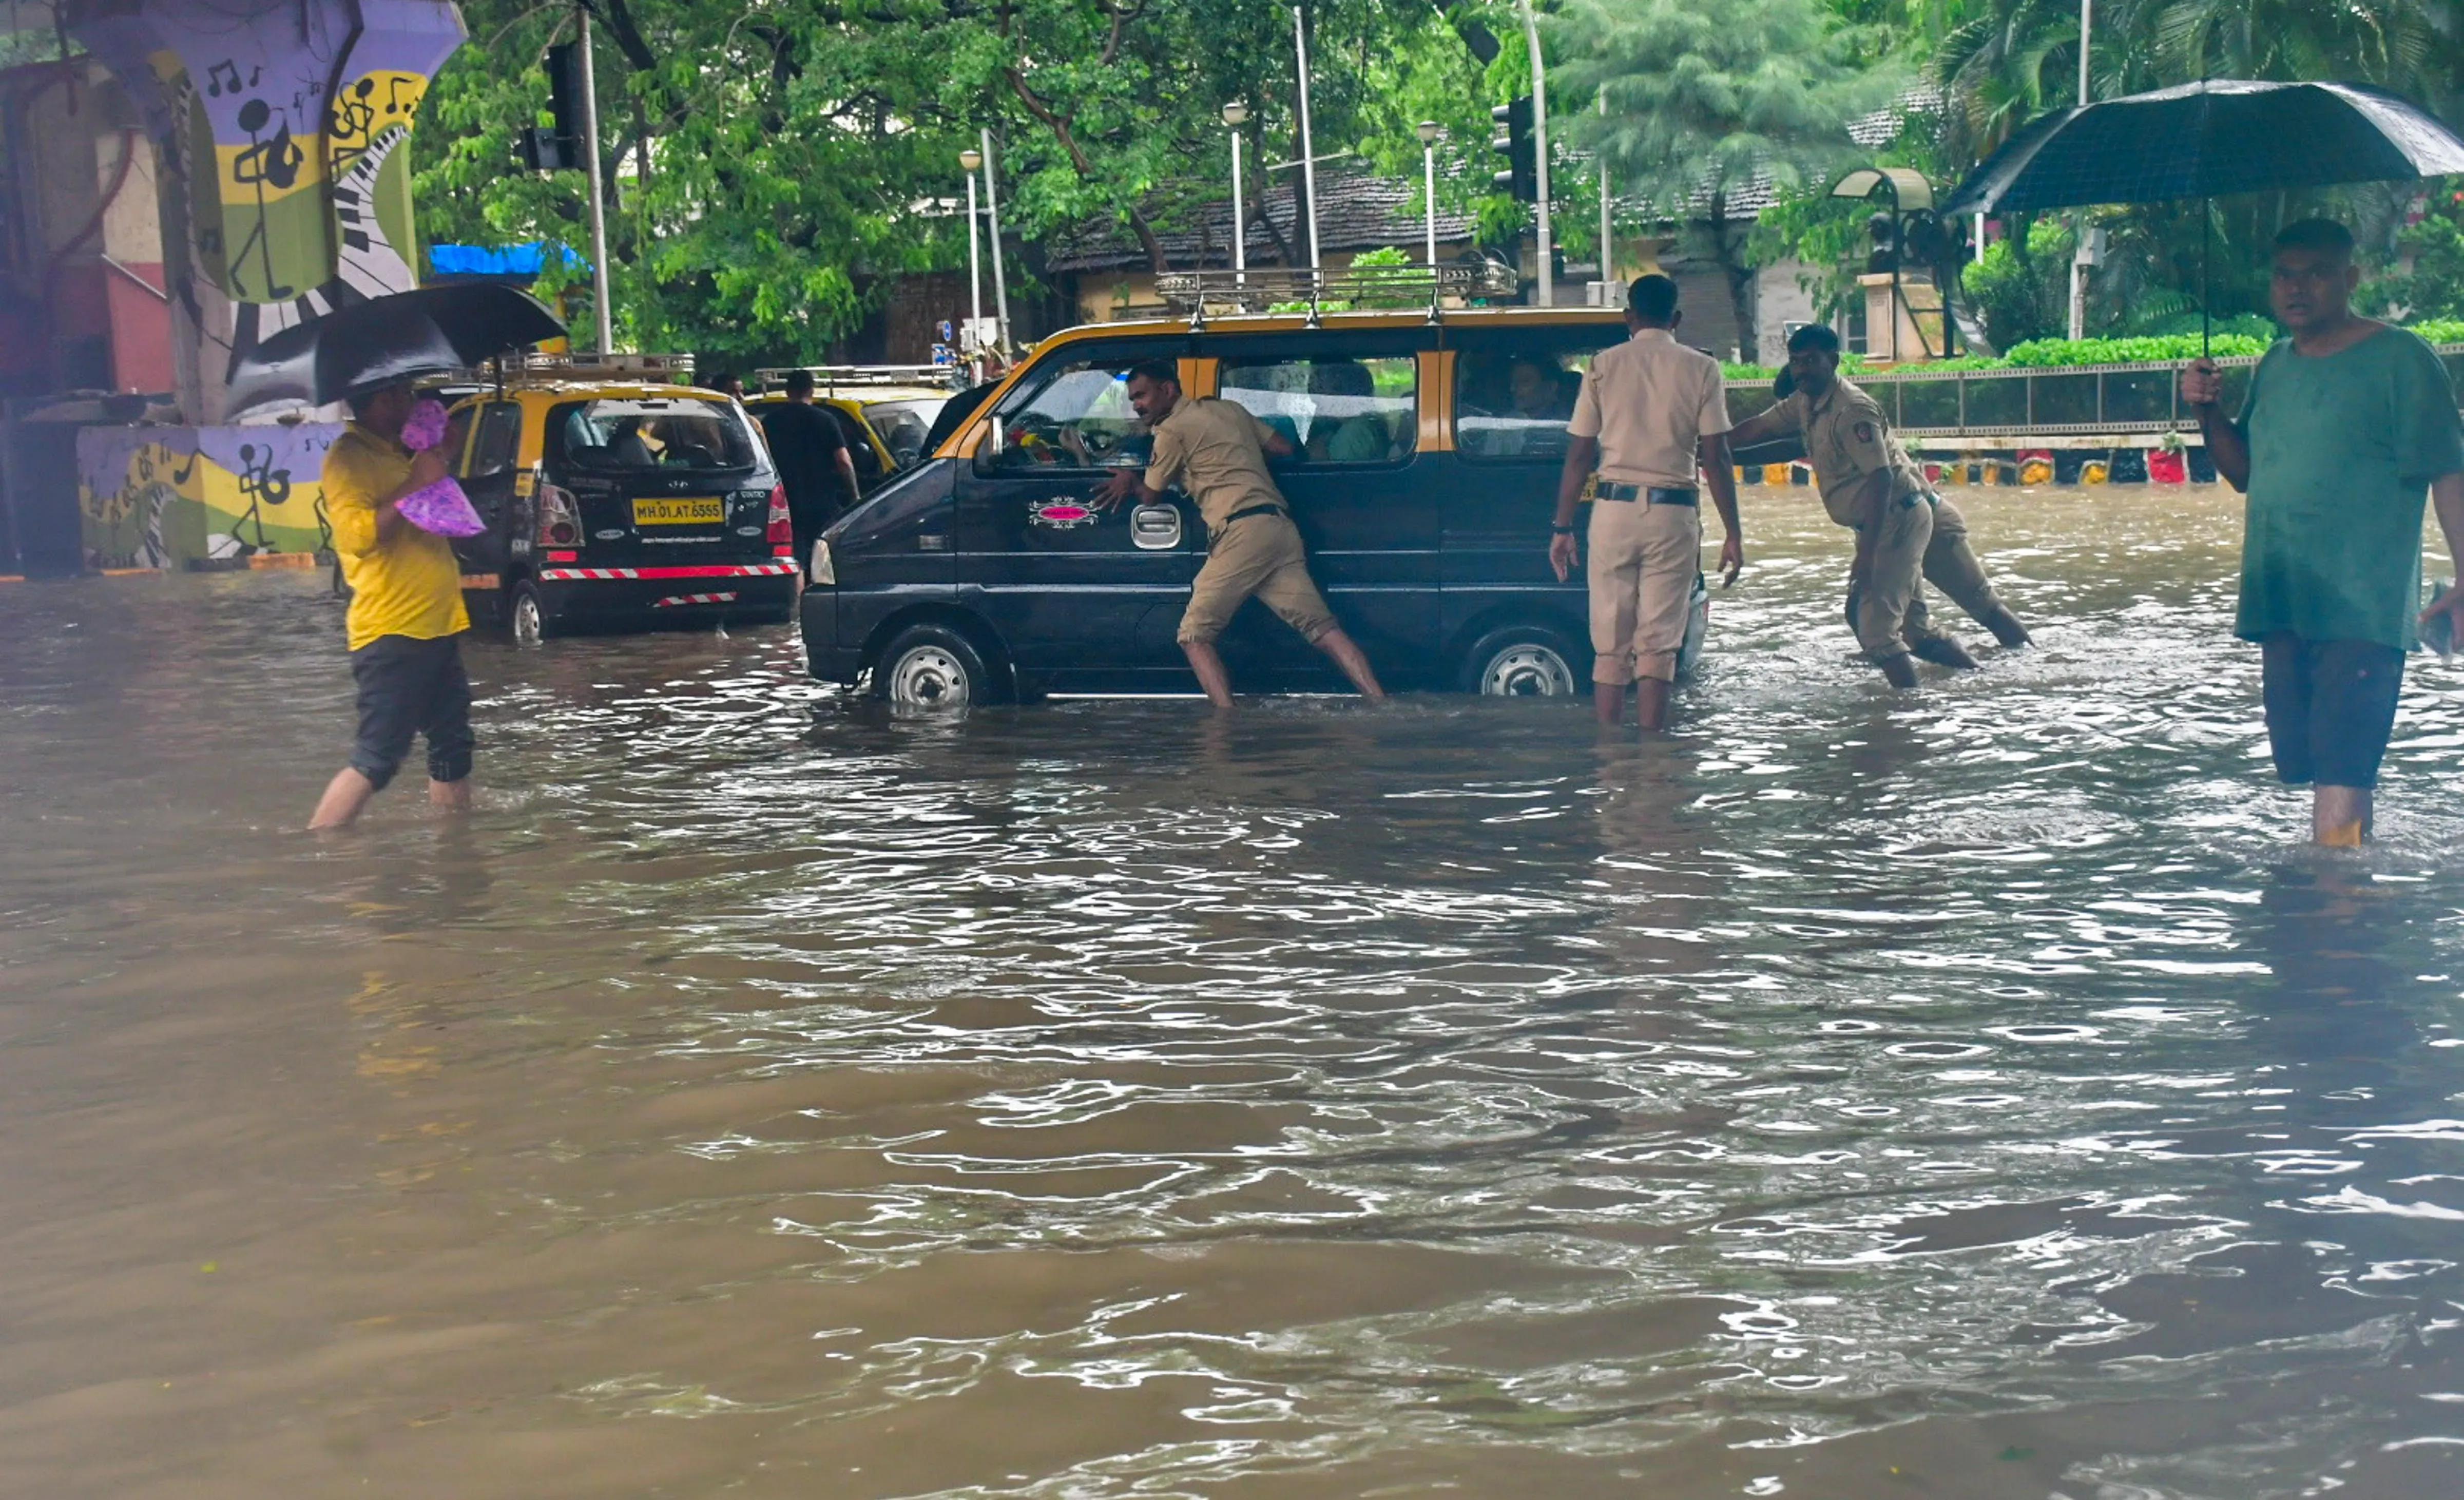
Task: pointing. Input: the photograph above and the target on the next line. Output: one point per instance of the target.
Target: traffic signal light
(559, 145)
(1522, 174)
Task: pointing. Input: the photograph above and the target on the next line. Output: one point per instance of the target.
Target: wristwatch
(1562, 531)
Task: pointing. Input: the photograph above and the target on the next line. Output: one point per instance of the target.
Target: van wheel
(1520, 661)
(933, 667)
(528, 617)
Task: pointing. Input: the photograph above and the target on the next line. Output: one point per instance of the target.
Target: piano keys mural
(291, 122)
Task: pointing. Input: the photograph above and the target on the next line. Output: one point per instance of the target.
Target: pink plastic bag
(440, 508)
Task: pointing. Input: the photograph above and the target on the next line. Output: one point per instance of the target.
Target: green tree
(772, 169)
(1709, 101)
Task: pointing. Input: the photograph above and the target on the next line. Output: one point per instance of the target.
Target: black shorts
(2330, 707)
(410, 687)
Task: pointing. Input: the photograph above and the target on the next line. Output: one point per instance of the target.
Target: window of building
(1333, 411)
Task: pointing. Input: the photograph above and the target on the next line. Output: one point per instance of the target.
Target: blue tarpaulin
(482, 260)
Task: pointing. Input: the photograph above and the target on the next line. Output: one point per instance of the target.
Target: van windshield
(654, 432)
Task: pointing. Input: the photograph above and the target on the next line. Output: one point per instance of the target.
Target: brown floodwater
(1979, 1092)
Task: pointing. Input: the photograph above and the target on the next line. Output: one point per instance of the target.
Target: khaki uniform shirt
(1648, 400)
(1215, 450)
(1848, 438)
(409, 585)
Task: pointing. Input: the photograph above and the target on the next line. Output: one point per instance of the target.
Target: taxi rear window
(653, 434)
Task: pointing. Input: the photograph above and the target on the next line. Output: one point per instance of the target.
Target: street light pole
(968, 162)
(1236, 115)
(1608, 227)
(992, 226)
(598, 204)
(1309, 152)
(1540, 148)
(1427, 130)
(2078, 268)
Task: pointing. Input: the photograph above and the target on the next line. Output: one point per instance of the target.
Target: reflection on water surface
(1976, 1094)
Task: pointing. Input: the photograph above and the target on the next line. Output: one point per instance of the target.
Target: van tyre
(1521, 661)
(936, 667)
(527, 615)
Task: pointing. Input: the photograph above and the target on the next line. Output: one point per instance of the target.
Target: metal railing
(2054, 401)
(1193, 293)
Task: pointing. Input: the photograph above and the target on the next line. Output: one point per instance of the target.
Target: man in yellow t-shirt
(406, 620)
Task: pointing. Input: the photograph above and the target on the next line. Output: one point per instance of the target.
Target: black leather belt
(1254, 510)
(1649, 494)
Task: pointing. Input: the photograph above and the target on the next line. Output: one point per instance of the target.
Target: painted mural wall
(170, 497)
(289, 120)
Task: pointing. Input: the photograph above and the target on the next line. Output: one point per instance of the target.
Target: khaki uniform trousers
(1922, 542)
(1256, 555)
(1641, 567)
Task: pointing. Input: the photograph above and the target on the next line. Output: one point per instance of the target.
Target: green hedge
(2058, 353)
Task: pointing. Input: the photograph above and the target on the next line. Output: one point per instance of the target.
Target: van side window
(1333, 411)
(1077, 417)
(500, 435)
(1515, 403)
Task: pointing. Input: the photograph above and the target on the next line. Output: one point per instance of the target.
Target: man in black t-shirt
(813, 463)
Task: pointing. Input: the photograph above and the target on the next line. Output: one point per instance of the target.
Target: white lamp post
(1236, 115)
(1427, 131)
(992, 226)
(969, 160)
(1309, 152)
(1540, 151)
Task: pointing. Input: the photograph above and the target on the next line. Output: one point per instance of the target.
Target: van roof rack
(828, 378)
(1195, 294)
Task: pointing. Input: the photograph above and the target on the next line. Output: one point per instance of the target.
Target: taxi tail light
(559, 520)
(781, 533)
(823, 569)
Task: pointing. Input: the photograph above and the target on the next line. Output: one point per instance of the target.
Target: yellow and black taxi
(1425, 471)
(884, 412)
(617, 498)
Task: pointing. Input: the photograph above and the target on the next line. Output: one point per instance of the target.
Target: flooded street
(1976, 1094)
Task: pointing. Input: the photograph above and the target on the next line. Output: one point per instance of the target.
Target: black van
(1424, 481)
(615, 504)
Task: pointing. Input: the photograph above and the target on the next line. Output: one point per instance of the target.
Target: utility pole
(992, 226)
(598, 197)
(1540, 141)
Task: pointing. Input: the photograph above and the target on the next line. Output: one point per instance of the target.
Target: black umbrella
(2209, 140)
(431, 329)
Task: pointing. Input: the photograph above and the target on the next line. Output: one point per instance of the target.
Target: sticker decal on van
(1060, 515)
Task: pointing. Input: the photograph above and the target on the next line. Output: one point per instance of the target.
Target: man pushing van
(1217, 451)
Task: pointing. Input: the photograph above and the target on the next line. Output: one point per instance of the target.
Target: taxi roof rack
(827, 378)
(674, 369)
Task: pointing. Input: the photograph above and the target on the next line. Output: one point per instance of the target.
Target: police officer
(1217, 451)
(1904, 532)
(1650, 413)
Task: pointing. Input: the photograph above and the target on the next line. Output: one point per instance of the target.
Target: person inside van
(1217, 451)
(1350, 431)
(1537, 389)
